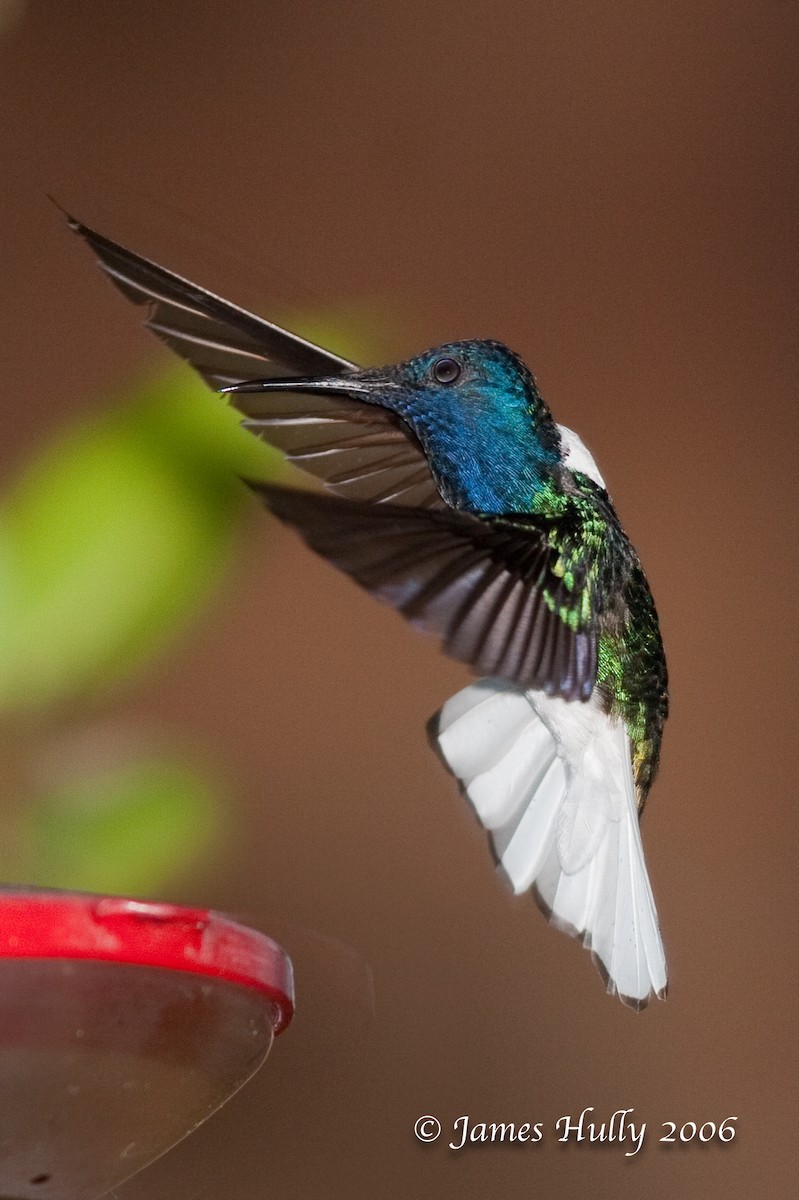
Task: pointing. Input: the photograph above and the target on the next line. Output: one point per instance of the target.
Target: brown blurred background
(610, 189)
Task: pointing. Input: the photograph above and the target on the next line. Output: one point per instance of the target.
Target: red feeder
(123, 1025)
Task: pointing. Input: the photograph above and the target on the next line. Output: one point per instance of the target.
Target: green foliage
(109, 543)
(114, 536)
(127, 827)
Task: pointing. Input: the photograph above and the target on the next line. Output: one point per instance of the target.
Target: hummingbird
(450, 492)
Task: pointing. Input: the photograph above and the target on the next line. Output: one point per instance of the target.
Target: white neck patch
(577, 458)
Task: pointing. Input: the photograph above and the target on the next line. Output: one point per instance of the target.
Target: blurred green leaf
(114, 535)
(125, 828)
(193, 426)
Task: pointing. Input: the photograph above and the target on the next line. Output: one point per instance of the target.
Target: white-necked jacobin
(452, 494)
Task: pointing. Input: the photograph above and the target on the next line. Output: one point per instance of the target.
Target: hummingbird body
(494, 450)
(453, 495)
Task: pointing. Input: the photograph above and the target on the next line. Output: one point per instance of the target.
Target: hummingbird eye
(446, 370)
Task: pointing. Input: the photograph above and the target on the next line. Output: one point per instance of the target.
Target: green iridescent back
(604, 576)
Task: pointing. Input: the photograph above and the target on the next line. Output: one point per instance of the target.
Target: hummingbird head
(489, 438)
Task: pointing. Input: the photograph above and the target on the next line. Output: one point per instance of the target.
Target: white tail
(551, 780)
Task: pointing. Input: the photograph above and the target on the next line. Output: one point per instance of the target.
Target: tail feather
(478, 727)
(523, 850)
(502, 793)
(551, 780)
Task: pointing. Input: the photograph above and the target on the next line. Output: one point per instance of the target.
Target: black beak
(362, 384)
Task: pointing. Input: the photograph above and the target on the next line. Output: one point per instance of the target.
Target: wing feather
(477, 583)
(357, 450)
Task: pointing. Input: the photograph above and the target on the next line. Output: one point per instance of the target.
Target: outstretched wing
(487, 587)
(358, 450)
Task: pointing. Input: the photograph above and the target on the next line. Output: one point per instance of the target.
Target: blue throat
(500, 475)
